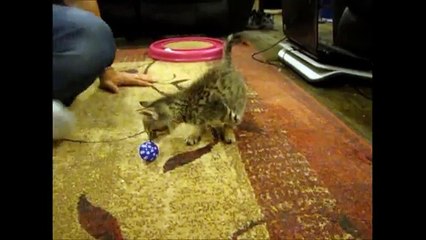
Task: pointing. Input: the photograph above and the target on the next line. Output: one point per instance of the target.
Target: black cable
(266, 49)
(281, 65)
(363, 94)
(104, 141)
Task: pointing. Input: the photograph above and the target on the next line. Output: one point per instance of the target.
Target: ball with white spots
(148, 151)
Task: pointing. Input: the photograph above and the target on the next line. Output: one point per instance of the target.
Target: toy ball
(148, 151)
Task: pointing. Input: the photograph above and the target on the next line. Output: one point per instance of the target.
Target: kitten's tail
(227, 50)
(63, 121)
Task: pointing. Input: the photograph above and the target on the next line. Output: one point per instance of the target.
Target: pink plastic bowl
(159, 50)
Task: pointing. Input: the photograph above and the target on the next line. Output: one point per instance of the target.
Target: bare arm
(111, 79)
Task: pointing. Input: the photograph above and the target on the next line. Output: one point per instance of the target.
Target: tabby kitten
(217, 100)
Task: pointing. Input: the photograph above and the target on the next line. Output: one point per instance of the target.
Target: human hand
(112, 79)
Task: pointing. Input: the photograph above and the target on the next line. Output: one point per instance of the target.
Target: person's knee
(97, 46)
(83, 46)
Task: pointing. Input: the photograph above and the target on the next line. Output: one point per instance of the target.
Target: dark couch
(133, 18)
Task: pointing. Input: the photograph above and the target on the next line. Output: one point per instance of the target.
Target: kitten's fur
(216, 100)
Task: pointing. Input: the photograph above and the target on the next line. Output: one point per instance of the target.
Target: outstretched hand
(111, 80)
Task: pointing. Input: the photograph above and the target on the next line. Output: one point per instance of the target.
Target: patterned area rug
(296, 171)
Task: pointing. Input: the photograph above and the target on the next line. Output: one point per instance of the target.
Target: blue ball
(148, 151)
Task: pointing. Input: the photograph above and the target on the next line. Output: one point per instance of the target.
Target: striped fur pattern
(217, 101)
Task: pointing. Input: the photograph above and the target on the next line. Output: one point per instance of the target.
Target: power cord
(363, 93)
(267, 49)
(281, 65)
(103, 141)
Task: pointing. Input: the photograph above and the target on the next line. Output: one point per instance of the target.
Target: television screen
(300, 23)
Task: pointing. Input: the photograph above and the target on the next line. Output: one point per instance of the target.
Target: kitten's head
(155, 116)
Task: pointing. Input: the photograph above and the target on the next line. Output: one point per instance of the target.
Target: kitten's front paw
(193, 139)
(229, 136)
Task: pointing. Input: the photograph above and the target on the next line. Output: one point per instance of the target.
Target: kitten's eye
(236, 118)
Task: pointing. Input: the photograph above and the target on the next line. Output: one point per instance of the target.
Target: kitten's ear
(150, 114)
(145, 103)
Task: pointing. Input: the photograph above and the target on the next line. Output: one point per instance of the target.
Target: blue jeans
(83, 46)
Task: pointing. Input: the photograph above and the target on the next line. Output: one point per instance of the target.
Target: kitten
(217, 100)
